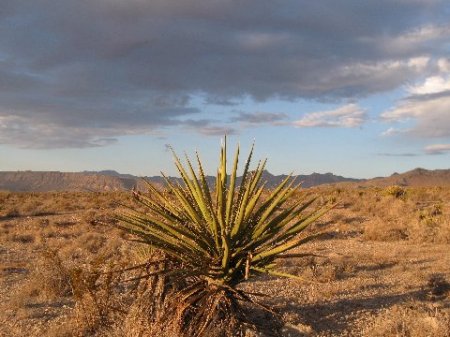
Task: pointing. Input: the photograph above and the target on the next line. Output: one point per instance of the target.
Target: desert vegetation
(379, 266)
(214, 240)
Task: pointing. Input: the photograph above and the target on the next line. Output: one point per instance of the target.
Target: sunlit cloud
(437, 149)
(432, 85)
(393, 131)
(427, 106)
(348, 116)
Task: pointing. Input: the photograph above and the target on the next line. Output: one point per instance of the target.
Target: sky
(356, 88)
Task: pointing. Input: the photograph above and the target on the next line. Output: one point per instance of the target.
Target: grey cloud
(217, 131)
(208, 127)
(72, 123)
(260, 49)
(108, 67)
(21, 133)
(12, 81)
(407, 154)
(217, 100)
(259, 118)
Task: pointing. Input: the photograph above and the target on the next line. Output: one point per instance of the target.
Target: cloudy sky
(357, 88)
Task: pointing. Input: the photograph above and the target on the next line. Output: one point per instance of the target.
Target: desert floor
(379, 266)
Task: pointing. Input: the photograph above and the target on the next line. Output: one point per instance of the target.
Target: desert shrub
(413, 320)
(216, 241)
(396, 191)
(333, 271)
(96, 291)
(381, 229)
(438, 287)
(146, 314)
(95, 288)
(23, 238)
(93, 242)
(52, 274)
(12, 212)
(436, 209)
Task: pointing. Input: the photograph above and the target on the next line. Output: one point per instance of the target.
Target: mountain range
(108, 180)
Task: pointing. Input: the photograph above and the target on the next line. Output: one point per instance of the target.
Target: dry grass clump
(65, 276)
(151, 310)
(93, 289)
(98, 300)
(21, 204)
(23, 238)
(332, 271)
(396, 191)
(438, 287)
(48, 280)
(382, 229)
(52, 275)
(432, 224)
(410, 320)
(417, 214)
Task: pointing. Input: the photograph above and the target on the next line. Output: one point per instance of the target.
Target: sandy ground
(352, 286)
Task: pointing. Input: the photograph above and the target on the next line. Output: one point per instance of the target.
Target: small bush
(23, 238)
(414, 320)
(396, 191)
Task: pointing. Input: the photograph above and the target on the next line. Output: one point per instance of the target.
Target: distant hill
(308, 180)
(418, 177)
(34, 181)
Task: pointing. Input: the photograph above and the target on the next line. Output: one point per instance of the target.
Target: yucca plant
(216, 238)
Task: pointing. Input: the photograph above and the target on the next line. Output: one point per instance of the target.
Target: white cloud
(393, 131)
(347, 116)
(432, 85)
(437, 149)
(444, 65)
(419, 63)
(428, 106)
